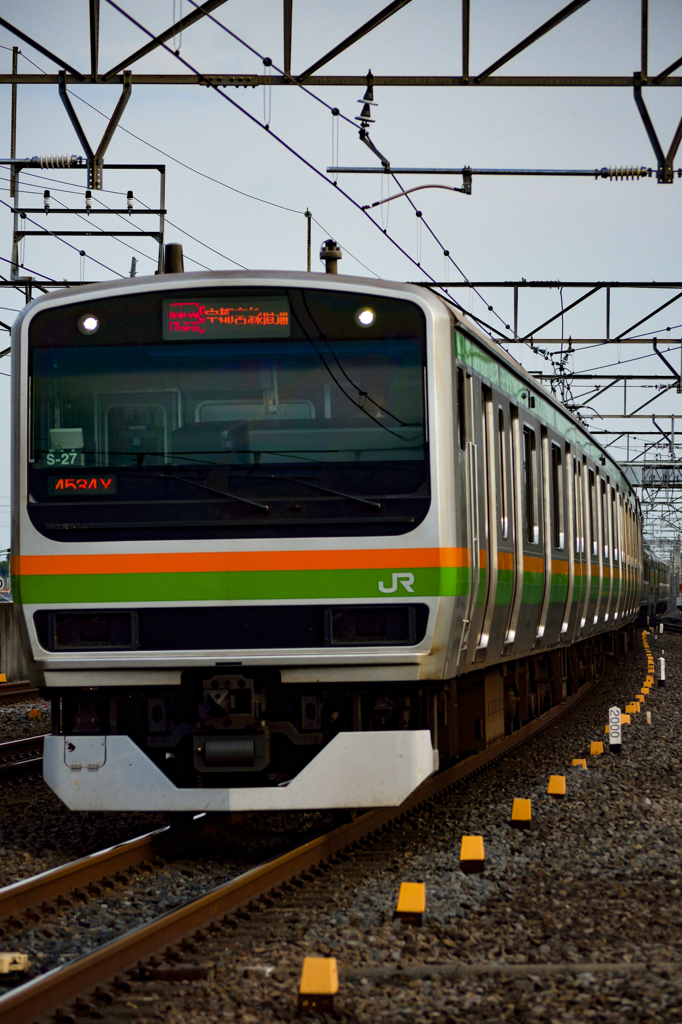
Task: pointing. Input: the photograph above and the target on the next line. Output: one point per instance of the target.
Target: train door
(556, 554)
(571, 534)
(629, 558)
(579, 548)
(460, 512)
(616, 541)
(492, 495)
(591, 546)
(477, 520)
(529, 521)
(501, 527)
(632, 558)
(607, 550)
(516, 528)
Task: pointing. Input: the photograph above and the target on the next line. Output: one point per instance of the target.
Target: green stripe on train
(307, 584)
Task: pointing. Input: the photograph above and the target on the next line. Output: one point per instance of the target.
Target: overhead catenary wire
(338, 115)
(290, 149)
(202, 174)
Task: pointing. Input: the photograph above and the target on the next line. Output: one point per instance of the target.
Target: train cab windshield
(228, 413)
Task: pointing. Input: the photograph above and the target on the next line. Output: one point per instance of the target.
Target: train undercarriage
(236, 732)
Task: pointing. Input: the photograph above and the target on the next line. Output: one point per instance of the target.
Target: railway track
(12, 693)
(22, 758)
(110, 961)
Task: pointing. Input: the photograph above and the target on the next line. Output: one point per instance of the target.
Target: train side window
(530, 486)
(461, 409)
(604, 519)
(614, 526)
(593, 514)
(557, 498)
(578, 507)
(502, 454)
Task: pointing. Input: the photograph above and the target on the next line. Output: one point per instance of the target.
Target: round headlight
(365, 316)
(88, 324)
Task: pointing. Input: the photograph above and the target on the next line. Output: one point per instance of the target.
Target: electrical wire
(202, 174)
(337, 113)
(290, 149)
(44, 276)
(64, 241)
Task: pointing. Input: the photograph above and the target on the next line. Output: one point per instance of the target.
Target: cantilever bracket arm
(96, 158)
(364, 137)
(672, 369)
(666, 435)
(665, 160)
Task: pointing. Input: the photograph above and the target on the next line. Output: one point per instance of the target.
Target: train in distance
(283, 540)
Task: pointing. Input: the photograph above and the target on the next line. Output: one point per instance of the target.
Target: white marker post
(615, 735)
(661, 671)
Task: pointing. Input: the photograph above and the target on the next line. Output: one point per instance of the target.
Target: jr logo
(406, 579)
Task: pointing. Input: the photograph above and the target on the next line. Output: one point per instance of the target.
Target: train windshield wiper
(328, 490)
(206, 487)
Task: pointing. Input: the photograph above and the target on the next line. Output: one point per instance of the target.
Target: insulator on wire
(130, 201)
(623, 173)
(46, 200)
(88, 200)
(55, 161)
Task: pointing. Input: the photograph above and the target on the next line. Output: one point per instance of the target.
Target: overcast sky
(563, 229)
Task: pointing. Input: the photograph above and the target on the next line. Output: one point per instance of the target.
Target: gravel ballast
(594, 882)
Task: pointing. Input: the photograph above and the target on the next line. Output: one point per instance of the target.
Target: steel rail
(11, 767)
(49, 885)
(21, 769)
(11, 693)
(22, 746)
(64, 983)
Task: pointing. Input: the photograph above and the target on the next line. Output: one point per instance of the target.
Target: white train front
(280, 540)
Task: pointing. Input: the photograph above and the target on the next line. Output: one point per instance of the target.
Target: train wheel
(598, 661)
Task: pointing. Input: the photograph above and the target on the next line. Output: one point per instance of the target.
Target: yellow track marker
(14, 963)
(625, 719)
(472, 855)
(34, 713)
(557, 785)
(319, 984)
(3, 677)
(606, 729)
(579, 762)
(596, 748)
(520, 815)
(411, 903)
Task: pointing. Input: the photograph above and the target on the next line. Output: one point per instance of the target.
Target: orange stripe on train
(237, 561)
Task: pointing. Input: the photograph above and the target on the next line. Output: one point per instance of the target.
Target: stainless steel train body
(657, 598)
(279, 539)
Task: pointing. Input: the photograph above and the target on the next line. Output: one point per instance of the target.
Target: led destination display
(233, 316)
(80, 486)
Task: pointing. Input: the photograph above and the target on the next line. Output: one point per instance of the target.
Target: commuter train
(281, 539)
(657, 598)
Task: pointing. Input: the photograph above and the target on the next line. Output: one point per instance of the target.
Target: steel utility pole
(13, 121)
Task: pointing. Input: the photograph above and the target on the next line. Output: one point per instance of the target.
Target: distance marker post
(615, 731)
